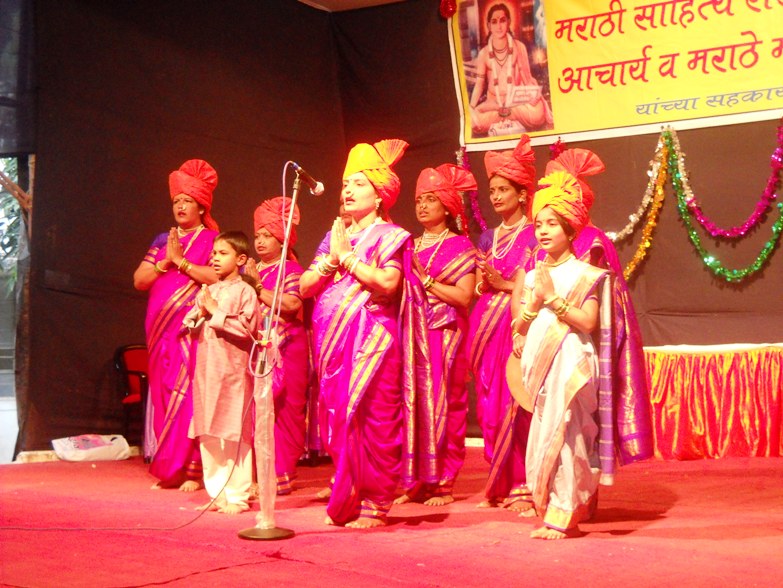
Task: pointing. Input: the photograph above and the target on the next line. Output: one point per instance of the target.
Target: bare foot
(529, 513)
(365, 523)
(402, 499)
(518, 505)
(548, 534)
(324, 494)
(439, 500)
(328, 521)
(156, 486)
(233, 509)
(209, 506)
(487, 504)
(190, 486)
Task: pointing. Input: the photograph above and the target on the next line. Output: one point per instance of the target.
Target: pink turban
(518, 165)
(197, 179)
(376, 162)
(579, 163)
(272, 215)
(562, 192)
(446, 182)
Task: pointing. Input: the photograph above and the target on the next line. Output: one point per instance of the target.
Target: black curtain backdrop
(130, 89)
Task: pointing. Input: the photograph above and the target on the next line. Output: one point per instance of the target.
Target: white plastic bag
(92, 448)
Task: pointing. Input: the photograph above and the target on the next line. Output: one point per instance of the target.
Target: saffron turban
(272, 215)
(197, 179)
(562, 192)
(579, 163)
(376, 162)
(446, 182)
(518, 165)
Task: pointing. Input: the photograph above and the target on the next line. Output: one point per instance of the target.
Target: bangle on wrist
(158, 269)
(478, 289)
(259, 289)
(551, 300)
(184, 266)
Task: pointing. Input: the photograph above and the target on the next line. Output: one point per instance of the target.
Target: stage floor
(697, 523)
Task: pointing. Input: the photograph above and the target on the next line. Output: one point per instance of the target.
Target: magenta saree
(359, 361)
(289, 378)
(504, 425)
(443, 397)
(175, 457)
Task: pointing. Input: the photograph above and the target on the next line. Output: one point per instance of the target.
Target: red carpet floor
(698, 523)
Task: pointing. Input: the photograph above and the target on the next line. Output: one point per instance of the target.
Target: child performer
(224, 318)
(563, 302)
(290, 374)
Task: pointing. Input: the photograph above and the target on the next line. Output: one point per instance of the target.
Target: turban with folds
(197, 179)
(272, 214)
(446, 182)
(562, 192)
(376, 162)
(579, 163)
(518, 165)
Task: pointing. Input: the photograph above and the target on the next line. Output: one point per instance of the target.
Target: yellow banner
(584, 69)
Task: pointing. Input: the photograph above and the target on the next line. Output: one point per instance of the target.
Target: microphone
(316, 187)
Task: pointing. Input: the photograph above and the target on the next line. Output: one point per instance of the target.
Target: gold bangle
(158, 269)
(259, 289)
(478, 289)
(561, 310)
(516, 334)
(184, 266)
(551, 300)
(528, 316)
(352, 267)
(428, 282)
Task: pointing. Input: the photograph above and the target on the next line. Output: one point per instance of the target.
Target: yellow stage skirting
(716, 401)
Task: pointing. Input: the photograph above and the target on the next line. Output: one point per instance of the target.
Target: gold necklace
(182, 232)
(561, 262)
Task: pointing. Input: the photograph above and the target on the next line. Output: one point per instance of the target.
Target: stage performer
(224, 319)
(291, 371)
(633, 422)
(356, 277)
(502, 253)
(176, 264)
(513, 101)
(445, 263)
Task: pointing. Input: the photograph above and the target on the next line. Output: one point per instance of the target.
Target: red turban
(579, 163)
(272, 214)
(562, 192)
(197, 179)
(446, 182)
(376, 162)
(518, 165)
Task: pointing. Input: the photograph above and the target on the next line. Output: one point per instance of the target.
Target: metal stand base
(274, 534)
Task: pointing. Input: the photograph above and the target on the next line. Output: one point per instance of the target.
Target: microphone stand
(264, 438)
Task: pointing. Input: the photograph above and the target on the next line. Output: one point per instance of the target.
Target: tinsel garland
(655, 192)
(657, 175)
(676, 169)
(762, 206)
(475, 209)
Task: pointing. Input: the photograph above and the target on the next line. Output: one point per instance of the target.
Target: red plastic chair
(131, 364)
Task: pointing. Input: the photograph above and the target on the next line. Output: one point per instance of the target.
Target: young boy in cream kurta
(224, 318)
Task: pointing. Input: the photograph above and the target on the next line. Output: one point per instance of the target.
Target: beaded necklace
(501, 254)
(441, 238)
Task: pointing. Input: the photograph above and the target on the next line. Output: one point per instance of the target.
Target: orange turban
(272, 214)
(446, 182)
(197, 179)
(562, 193)
(579, 163)
(518, 165)
(376, 162)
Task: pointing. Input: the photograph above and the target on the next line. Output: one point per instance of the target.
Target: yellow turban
(376, 162)
(562, 193)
